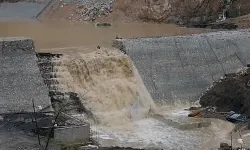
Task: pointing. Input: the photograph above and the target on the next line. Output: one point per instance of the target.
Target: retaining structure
(183, 67)
(21, 81)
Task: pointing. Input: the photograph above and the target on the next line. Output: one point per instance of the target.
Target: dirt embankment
(232, 93)
(182, 12)
(168, 11)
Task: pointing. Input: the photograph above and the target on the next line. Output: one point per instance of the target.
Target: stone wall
(183, 67)
(73, 133)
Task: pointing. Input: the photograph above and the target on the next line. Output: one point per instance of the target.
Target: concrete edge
(189, 35)
(11, 44)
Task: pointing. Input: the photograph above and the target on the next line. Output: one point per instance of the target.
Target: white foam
(181, 113)
(245, 135)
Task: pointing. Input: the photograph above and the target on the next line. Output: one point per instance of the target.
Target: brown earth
(159, 11)
(55, 11)
(162, 11)
(179, 12)
(188, 12)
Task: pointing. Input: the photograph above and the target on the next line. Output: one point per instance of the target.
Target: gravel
(90, 10)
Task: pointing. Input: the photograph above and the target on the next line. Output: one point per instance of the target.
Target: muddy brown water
(54, 34)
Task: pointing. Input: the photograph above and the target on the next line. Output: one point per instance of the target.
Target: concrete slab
(184, 123)
(182, 67)
(20, 78)
(21, 10)
(72, 133)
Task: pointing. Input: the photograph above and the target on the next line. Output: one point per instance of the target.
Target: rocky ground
(195, 13)
(242, 22)
(78, 10)
(232, 93)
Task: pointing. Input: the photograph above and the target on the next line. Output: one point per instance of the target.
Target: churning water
(108, 83)
(111, 87)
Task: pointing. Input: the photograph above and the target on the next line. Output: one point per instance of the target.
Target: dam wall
(21, 80)
(183, 67)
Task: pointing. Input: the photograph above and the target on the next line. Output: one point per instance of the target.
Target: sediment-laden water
(111, 87)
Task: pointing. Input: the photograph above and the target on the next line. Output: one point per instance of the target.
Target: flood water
(54, 34)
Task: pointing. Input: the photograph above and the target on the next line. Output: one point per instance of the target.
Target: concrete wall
(20, 78)
(21, 10)
(72, 133)
(183, 67)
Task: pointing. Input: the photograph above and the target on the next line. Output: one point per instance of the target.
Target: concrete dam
(183, 67)
(21, 81)
(172, 68)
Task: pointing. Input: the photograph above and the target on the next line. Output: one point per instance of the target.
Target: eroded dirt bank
(197, 13)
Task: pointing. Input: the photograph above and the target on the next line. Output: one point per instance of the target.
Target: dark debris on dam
(183, 67)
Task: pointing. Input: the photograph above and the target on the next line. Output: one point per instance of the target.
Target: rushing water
(153, 133)
(113, 90)
(111, 86)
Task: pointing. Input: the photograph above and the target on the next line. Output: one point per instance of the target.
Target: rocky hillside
(182, 11)
(15, 1)
(173, 11)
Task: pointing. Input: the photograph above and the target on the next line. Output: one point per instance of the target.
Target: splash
(110, 86)
(108, 83)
